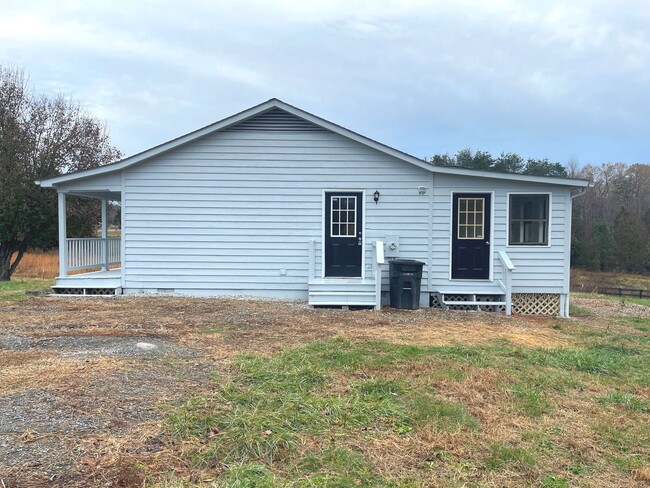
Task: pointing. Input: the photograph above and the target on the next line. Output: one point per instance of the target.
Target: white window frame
(549, 222)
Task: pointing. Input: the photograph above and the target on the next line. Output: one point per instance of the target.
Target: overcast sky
(556, 79)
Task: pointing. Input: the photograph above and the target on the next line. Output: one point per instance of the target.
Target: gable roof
(274, 103)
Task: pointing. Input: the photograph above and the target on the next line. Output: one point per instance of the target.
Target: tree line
(611, 221)
(41, 137)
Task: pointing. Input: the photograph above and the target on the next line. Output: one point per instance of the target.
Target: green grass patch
(502, 456)
(530, 399)
(271, 405)
(626, 400)
(598, 359)
(331, 395)
(550, 481)
(639, 301)
(337, 467)
(249, 475)
(578, 311)
(641, 324)
(17, 288)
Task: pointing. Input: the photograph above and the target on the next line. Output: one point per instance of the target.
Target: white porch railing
(379, 263)
(93, 252)
(506, 282)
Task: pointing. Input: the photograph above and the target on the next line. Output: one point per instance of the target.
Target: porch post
(104, 234)
(63, 241)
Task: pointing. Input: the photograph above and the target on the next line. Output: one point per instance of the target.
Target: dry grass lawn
(155, 392)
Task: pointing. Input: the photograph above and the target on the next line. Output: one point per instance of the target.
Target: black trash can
(405, 280)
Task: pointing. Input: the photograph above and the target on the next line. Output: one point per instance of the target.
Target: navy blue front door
(343, 234)
(470, 243)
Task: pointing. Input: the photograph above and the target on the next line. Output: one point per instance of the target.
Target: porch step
(343, 292)
(95, 283)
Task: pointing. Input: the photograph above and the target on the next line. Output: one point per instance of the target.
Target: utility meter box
(391, 246)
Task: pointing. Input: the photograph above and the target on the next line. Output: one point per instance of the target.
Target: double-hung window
(528, 224)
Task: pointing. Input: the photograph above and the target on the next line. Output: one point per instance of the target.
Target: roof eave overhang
(275, 103)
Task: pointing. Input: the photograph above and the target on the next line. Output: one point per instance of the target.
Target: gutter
(576, 192)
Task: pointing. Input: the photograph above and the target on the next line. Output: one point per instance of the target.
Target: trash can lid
(405, 261)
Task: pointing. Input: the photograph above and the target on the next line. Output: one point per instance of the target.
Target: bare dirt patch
(86, 382)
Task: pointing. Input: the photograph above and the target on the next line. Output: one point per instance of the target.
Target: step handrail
(506, 283)
(379, 263)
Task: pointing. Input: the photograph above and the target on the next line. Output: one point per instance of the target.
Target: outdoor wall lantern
(376, 196)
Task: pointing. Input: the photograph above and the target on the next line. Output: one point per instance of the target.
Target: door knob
(487, 243)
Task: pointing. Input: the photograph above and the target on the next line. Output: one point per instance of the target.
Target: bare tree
(40, 137)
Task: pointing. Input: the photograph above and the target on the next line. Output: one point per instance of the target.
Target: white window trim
(451, 234)
(363, 233)
(550, 218)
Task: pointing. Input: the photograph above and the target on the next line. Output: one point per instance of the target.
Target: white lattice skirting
(536, 303)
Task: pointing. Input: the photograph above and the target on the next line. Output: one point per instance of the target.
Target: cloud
(543, 78)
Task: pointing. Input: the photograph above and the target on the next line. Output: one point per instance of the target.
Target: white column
(63, 241)
(104, 234)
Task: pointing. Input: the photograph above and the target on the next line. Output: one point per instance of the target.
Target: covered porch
(89, 265)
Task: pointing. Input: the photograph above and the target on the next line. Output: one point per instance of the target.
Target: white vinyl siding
(228, 213)
(539, 269)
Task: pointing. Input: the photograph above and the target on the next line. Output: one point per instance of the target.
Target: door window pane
(343, 217)
(471, 218)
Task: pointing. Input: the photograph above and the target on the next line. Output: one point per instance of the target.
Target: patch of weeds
(578, 311)
(632, 339)
(336, 467)
(600, 359)
(540, 440)
(549, 481)
(578, 469)
(619, 437)
(626, 400)
(441, 414)
(502, 456)
(448, 373)
(249, 475)
(463, 354)
(556, 326)
(629, 463)
(530, 399)
(639, 323)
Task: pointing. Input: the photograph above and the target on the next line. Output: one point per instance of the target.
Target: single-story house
(277, 202)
